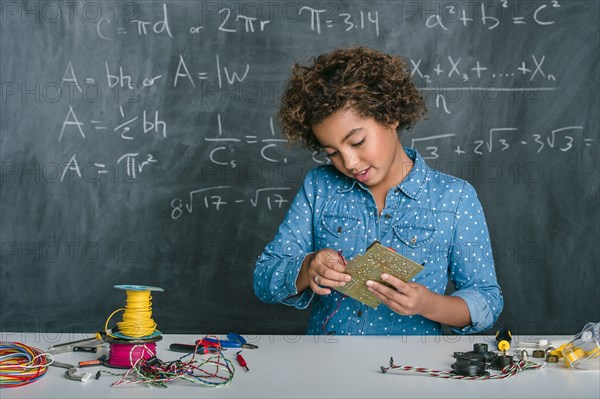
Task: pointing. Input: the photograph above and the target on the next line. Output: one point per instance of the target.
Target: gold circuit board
(377, 260)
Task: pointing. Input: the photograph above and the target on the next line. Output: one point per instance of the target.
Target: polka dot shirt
(432, 218)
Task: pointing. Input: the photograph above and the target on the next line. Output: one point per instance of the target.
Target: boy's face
(362, 149)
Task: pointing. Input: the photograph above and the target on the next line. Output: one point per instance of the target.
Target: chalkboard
(139, 145)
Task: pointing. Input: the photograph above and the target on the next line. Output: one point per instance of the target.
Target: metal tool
(91, 349)
(209, 345)
(233, 341)
(503, 336)
(62, 365)
(69, 346)
(189, 348)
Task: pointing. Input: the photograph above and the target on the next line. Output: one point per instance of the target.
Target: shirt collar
(413, 183)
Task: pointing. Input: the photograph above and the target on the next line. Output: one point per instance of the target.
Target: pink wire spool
(126, 355)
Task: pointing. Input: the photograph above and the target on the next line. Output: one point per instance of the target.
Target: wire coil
(214, 371)
(21, 364)
(125, 355)
(137, 319)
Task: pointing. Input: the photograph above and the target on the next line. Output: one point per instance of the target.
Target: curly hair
(375, 85)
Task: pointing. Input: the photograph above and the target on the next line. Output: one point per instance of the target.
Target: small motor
(479, 360)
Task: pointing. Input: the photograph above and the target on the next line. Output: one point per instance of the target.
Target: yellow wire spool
(137, 319)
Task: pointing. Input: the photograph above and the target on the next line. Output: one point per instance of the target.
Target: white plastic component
(583, 350)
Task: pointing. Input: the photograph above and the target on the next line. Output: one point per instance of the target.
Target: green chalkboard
(139, 145)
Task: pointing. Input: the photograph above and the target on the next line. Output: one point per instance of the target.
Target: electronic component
(370, 266)
(502, 361)
(470, 365)
(523, 355)
(241, 360)
(473, 366)
(476, 362)
(552, 358)
(95, 362)
(468, 362)
(539, 354)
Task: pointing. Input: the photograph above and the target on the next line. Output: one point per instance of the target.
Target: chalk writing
(91, 171)
(215, 198)
(347, 20)
(447, 77)
(248, 22)
(451, 67)
(158, 27)
(502, 139)
(133, 164)
(267, 145)
(489, 15)
(150, 124)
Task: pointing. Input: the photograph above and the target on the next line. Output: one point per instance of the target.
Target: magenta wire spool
(126, 355)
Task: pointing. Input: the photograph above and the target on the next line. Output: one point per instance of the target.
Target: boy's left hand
(406, 299)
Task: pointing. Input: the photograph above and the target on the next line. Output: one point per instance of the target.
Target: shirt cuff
(289, 294)
(480, 312)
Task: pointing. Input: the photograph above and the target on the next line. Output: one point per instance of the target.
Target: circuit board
(377, 260)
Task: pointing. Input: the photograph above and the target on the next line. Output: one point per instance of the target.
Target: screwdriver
(503, 336)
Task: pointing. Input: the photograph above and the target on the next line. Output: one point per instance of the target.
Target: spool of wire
(137, 335)
(127, 355)
(21, 364)
(137, 322)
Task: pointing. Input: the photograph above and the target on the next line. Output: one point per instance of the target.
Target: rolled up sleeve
(472, 268)
(278, 266)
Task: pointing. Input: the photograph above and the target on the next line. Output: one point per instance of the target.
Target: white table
(322, 367)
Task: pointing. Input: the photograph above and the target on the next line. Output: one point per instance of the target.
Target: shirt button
(388, 216)
(339, 229)
(413, 239)
(359, 313)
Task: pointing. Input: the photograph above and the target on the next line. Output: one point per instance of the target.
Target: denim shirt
(432, 218)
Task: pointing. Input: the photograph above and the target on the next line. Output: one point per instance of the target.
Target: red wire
(333, 313)
(339, 300)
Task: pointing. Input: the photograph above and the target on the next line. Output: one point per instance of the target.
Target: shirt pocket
(417, 228)
(415, 244)
(415, 236)
(339, 225)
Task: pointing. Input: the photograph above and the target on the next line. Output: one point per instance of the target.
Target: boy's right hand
(323, 269)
